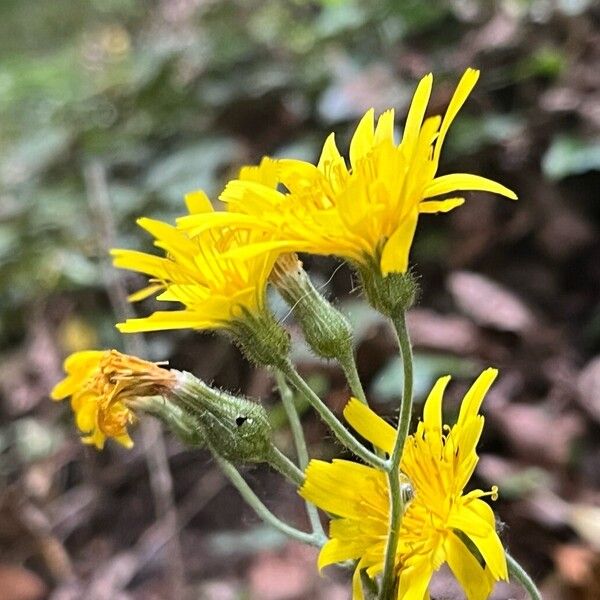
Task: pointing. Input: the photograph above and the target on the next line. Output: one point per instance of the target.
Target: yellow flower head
(366, 212)
(102, 385)
(215, 289)
(440, 525)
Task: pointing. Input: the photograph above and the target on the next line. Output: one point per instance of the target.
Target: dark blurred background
(112, 109)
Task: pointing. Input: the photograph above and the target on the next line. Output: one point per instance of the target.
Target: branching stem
(261, 510)
(287, 399)
(340, 432)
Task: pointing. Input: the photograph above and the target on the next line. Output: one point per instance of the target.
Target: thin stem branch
(286, 467)
(340, 432)
(517, 572)
(261, 510)
(396, 500)
(287, 399)
(348, 364)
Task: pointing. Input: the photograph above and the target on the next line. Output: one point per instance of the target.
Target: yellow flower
(368, 212)
(439, 462)
(214, 289)
(101, 384)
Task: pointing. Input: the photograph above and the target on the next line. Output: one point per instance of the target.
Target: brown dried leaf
(536, 434)
(442, 332)
(488, 303)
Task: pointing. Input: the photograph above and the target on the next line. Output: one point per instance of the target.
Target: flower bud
(261, 339)
(325, 328)
(390, 294)
(235, 428)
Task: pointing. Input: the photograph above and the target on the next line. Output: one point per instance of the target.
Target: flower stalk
(312, 539)
(280, 462)
(340, 432)
(516, 571)
(287, 399)
(396, 500)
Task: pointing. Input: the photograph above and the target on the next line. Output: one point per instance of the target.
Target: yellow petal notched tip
(197, 202)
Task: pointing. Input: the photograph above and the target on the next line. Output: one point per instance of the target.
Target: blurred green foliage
(168, 96)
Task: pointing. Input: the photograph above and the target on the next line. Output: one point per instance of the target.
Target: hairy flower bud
(261, 338)
(325, 328)
(390, 294)
(235, 428)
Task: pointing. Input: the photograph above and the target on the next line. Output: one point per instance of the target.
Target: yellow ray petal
(362, 140)
(197, 224)
(471, 576)
(463, 89)
(394, 258)
(384, 132)
(83, 361)
(465, 181)
(416, 114)
(255, 250)
(414, 579)
(357, 590)
(342, 487)
(370, 425)
(330, 153)
(145, 292)
(160, 320)
(432, 411)
(140, 261)
(265, 173)
(474, 397)
(124, 440)
(198, 202)
(335, 551)
(476, 520)
(436, 206)
(78, 367)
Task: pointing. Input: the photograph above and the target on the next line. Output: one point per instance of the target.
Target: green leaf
(191, 168)
(571, 156)
(388, 383)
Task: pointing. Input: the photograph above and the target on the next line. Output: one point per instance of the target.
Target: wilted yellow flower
(102, 384)
(215, 289)
(438, 461)
(367, 212)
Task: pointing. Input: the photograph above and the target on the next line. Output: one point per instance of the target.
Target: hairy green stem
(261, 510)
(396, 500)
(517, 572)
(340, 432)
(285, 466)
(348, 364)
(287, 399)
